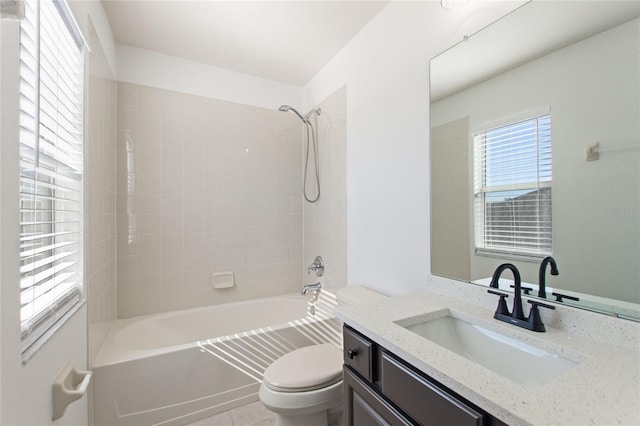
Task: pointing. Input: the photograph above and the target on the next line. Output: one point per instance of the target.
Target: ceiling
(532, 31)
(286, 41)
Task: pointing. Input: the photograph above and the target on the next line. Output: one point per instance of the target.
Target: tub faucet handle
(317, 266)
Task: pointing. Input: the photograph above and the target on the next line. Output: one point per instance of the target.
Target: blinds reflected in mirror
(512, 188)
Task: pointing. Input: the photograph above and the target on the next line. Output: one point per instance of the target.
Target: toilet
(304, 387)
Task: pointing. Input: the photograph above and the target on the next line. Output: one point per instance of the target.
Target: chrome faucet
(516, 316)
(315, 287)
(315, 295)
(542, 290)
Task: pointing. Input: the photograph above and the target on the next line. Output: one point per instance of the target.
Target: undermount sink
(521, 362)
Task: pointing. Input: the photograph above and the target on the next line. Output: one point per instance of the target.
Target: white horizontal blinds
(512, 188)
(51, 166)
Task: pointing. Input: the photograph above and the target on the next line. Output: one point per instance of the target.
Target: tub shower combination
(178, 367)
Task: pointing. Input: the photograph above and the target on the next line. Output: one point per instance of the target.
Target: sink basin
(518, 361)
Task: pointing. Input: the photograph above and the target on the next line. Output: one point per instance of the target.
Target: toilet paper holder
(70, 385)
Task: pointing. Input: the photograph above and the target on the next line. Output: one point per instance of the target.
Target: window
(51, 166)
(512, 188)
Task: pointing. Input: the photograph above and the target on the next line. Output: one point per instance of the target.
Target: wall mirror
(577, 63)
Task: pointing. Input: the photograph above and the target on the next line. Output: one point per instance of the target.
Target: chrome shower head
(287, 108)
(315, 111)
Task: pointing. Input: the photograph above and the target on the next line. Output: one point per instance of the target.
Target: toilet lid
(304, 369)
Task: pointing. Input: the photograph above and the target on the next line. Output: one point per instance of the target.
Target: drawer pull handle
(352, 353)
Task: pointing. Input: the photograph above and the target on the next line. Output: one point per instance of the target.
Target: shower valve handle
(317, 266)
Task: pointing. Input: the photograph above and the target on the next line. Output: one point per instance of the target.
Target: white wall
(385, 69)
(149, 68)
(85, 10)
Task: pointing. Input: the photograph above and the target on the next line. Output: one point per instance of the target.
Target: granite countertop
(603, 389)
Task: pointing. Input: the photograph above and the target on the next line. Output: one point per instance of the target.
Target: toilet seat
(305, 386)
(306, 369)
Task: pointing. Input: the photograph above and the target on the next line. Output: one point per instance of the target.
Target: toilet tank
(355, 294)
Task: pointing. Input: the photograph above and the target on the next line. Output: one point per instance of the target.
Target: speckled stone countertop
(603, 389)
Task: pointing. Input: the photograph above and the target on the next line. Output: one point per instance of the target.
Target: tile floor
(253, 414)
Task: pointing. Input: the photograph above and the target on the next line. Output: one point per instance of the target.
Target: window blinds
(512, 188)
(51, 166)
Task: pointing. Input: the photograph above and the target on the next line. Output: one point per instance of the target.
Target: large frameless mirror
(535, 152)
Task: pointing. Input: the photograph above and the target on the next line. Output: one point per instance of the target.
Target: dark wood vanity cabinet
(364, 406)
(382, 389)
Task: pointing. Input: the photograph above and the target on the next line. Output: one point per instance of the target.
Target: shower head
(287, 108)
(315, 111)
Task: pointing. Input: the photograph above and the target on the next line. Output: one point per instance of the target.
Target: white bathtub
(178, 367)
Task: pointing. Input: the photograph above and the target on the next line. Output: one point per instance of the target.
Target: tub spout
(314, 287)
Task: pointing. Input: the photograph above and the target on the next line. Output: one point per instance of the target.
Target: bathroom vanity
(381, 386)
(394, 373)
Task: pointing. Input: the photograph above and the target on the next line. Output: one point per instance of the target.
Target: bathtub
(178, 367)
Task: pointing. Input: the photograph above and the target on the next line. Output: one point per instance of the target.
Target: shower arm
(315, 111)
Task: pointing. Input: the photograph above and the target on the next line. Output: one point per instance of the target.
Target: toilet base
(320, 407)
(330, 417)
(311, 419)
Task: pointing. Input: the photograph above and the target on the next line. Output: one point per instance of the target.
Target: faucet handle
(502, 303)
(525, 290)
(560, 296)
(317, 266)
(535, 303)
(534, 315)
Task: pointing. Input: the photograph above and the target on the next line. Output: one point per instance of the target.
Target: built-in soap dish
(69, 386)
(223, 280)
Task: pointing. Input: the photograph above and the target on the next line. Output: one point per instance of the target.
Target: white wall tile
(203, 187)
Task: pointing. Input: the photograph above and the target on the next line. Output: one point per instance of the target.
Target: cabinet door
(363, 407)
(422, 400)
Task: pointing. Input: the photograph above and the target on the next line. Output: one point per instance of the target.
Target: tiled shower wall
(100, 178)
(325, 222)
(204, 186)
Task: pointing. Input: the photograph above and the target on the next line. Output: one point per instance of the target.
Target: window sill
(522, 257)
(29, 352)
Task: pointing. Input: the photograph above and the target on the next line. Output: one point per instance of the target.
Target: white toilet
(304, 387)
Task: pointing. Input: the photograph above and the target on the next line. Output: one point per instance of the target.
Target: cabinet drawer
(423, 401)
(358, 353)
